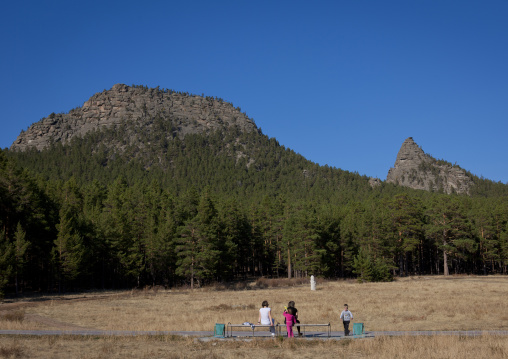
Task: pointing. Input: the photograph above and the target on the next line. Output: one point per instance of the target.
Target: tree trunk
(342, 263)
(192, 276)
(289, 263)
(445, 263)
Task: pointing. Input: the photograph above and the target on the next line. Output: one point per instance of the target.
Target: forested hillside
(223, 205)
(246, 165)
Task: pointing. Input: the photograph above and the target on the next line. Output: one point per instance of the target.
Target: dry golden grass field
(179, 347)
(408, 304)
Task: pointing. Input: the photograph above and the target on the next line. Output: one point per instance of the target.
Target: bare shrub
(221, 307)
(263, 283)
(207, 355)
(240, 285)
(157, 288)
(225, 307)
(14, 316)
(221, 286)
(12, 350)
(107, 348)
(412, 318)
(52, 340)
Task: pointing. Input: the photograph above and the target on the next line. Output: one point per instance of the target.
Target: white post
(312, 283)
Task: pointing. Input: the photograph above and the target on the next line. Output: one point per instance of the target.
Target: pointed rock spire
(409, 151)
(415, 169)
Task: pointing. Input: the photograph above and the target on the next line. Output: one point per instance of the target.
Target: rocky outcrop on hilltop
(138, 105)
(415, 169)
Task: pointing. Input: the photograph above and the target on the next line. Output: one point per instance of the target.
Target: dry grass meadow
(181, 347)
(408, 304)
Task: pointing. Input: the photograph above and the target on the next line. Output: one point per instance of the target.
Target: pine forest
(223, 207)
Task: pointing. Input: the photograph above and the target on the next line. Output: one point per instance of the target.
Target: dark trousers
(346, 327)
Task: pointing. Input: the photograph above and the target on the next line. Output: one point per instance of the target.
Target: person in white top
(265, 317)
(346, 317)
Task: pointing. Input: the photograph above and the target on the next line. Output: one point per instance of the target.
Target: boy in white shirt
(346, 317)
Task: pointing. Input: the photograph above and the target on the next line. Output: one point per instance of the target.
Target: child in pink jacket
(290, 320)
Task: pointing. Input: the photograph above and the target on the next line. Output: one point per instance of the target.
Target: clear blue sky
(343, 83)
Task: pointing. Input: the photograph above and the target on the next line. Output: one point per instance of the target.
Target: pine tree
(235, 241)
(197, 251)
(407, 226)
(501, 229)
(363, 266)
(115, 226)
(485, 231)
(20, 247)
(68, 250)
(6, 253)
(331, 242)
(448, 227)
(301, 237)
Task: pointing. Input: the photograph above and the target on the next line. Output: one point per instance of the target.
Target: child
(290, 321)
(346, 317)
(291, 304)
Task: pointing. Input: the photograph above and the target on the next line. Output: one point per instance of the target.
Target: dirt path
(207, 335)
(10, 307)
(52, 323)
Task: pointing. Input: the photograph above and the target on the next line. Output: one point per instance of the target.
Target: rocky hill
(139, 105)
(415, 169)
(136, 122)
(180, 141)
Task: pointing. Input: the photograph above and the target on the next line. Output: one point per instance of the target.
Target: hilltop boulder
(415, 169)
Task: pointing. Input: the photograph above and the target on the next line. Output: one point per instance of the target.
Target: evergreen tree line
(224, 206)
(60, 235)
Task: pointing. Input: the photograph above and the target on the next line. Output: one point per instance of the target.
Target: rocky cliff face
(122, 104)
(415, 169)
